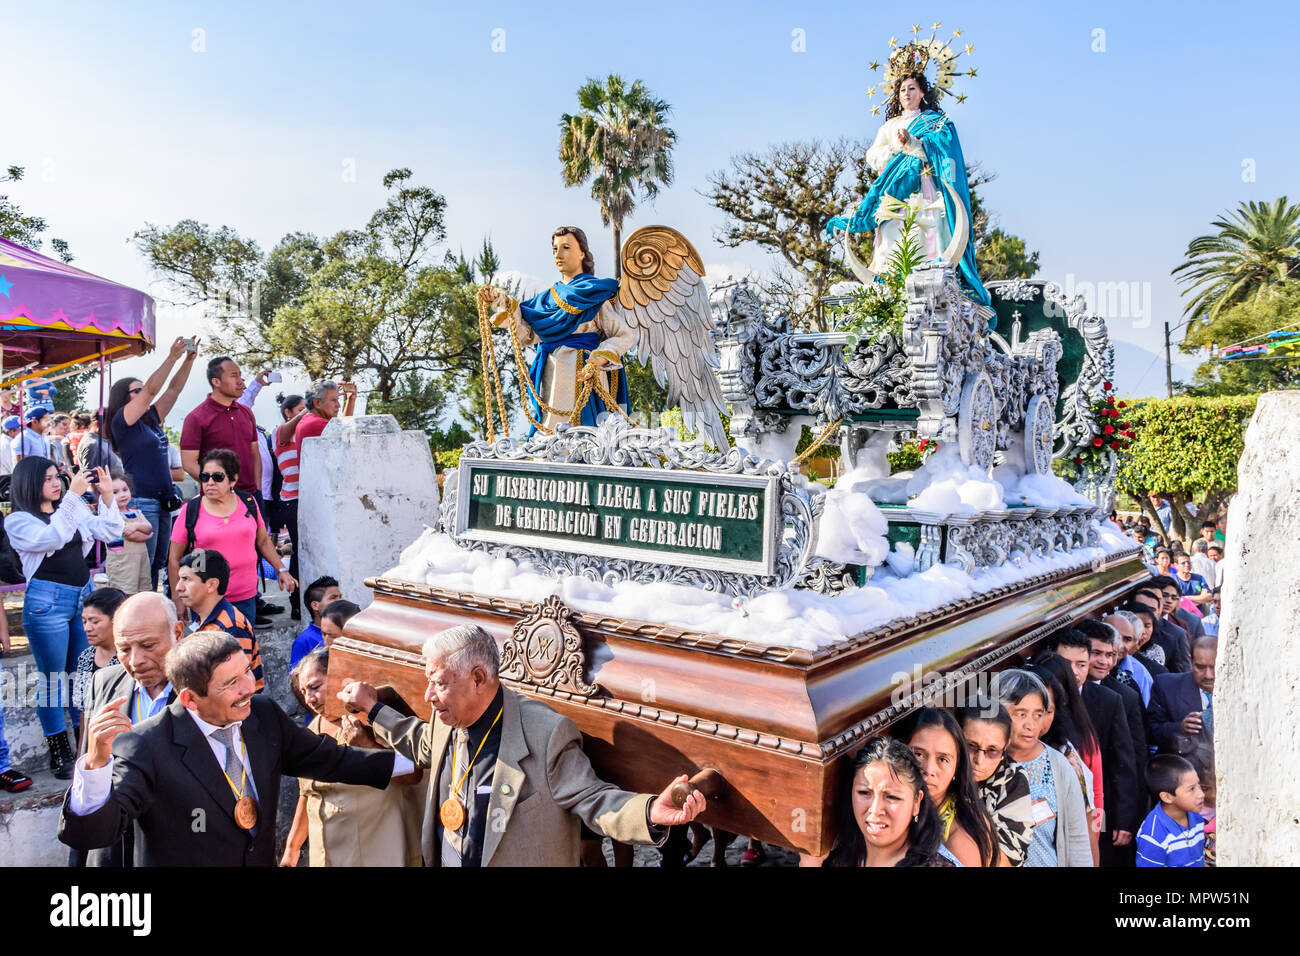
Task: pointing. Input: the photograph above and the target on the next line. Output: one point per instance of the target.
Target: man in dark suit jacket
(201, 779)
(1101, 668)
(1106, 711)
(1181, 712)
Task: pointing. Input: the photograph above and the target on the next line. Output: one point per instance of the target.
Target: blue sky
(1108, 161)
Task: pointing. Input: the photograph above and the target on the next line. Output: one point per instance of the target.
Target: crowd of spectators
(95, 518)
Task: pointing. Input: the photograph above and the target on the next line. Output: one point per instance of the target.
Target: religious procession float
(703, 605)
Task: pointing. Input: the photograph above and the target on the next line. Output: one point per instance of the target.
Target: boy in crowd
(335, 617)
(1193, 586)
(321, 592)
(1173, 834)
(201, 583)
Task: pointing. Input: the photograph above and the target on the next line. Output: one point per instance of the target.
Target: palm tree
(620, 142)
(1255, 249)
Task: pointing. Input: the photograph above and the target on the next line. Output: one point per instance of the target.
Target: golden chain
(819, 441)
(573, 415)
(488, 360)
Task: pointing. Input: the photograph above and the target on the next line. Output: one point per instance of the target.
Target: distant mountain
(1140, 372)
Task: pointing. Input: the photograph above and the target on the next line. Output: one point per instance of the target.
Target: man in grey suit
(510, 780)
(144, 629)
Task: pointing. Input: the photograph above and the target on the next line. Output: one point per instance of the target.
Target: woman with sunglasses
(52, 532)
(134, 421)
(986, 726)
(230, 522)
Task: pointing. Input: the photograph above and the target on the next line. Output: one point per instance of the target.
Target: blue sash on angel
(554, 315)
(902, 176)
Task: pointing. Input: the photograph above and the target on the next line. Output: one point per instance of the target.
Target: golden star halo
(918, 55)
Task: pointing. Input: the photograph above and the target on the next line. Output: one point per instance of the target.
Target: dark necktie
(453, 841)
(1207, 716)
(1125, 678)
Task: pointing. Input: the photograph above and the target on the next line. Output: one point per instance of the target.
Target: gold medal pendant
(246, 812)
(452, 814)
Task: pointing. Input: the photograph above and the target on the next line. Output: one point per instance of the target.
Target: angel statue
(920, 173)
(582, 326)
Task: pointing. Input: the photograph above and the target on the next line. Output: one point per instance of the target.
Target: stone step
(29, 822)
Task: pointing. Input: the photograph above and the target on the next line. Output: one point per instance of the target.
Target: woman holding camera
(52, 532)
(134, 418)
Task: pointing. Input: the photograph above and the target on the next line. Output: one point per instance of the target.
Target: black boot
(62, 758)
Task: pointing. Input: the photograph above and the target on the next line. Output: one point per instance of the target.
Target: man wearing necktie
(200, 780)
(511, 781)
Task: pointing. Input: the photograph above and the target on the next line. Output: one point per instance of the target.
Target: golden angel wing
(662, 296)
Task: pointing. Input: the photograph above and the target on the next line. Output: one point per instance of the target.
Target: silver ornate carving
(1075, 428)
(945, 338)
(1039, 424)
(614, 442)
(1019, 290)
(977, 420)
(829, 577)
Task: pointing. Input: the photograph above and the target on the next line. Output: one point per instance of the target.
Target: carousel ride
(56, 320)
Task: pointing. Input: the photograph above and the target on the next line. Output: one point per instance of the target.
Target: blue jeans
(161, 522)
(52, 622)
(4, 744)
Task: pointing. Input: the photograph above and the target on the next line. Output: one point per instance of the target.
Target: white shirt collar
(206, 728)
(142, 690)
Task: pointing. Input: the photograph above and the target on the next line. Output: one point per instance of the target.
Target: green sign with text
(685, 518)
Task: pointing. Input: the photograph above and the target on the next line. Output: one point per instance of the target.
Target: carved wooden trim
(544, 650)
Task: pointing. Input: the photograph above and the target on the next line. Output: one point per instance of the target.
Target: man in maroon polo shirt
(220, 421)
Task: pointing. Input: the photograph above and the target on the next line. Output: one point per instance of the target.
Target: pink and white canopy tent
(55, 316)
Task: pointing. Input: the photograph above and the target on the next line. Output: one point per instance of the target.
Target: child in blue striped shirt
(1173, 834)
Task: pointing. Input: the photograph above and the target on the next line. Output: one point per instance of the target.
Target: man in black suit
(1118, 774)
(1107, 648)
(201, 780)
(145, 628)
(1182, 705)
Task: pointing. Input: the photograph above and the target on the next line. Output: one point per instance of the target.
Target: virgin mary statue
(920, 170)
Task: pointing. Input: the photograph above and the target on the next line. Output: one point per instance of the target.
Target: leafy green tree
(1246, 321)
(619, 141)
(367, 302)
(781, 200)
(1256, 248)
(1003, 256)
(1186, 449)
(17, 226)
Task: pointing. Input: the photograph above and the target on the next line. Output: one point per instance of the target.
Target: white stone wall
(1257, 680)
(366, 491)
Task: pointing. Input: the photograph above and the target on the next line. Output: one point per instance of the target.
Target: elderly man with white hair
(510, 779)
